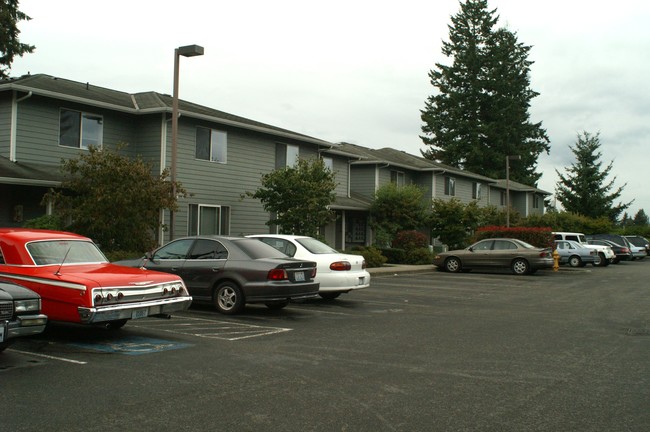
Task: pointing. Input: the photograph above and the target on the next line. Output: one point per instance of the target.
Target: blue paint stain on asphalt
(133, 345)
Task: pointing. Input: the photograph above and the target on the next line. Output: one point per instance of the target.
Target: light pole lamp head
(190, 50)
(514, 157)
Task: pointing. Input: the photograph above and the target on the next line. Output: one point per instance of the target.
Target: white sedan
(337, 272)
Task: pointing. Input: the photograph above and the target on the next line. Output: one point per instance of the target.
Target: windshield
(315, 246)
(65, 252)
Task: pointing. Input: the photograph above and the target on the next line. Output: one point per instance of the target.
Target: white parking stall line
(213, 329)
(49, 357)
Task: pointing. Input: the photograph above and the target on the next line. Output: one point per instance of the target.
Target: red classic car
(77, 283)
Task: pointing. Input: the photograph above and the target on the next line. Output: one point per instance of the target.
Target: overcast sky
(357, 70)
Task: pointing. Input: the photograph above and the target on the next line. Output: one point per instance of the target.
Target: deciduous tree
(113, 199)
(298, 197)
(396, 208)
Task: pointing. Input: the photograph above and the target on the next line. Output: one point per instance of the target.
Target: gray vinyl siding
(341, 173)
(425, 183)
(362, 180)
(38, 130)
(5, 123)
(463, 188)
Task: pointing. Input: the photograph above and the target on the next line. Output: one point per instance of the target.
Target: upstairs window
(397, 178)
(329, 163)
(211, 145)
(286, 155)
(79, 129)
(476, 190)
(450, 186)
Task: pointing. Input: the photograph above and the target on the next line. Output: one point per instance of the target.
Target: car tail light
(544, 254)
(364, 265)
(625, 250)
(313, 272)
(277, 274)
(340, 266)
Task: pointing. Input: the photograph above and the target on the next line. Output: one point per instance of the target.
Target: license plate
(300, 276)
(361, 280)
(2, 332)
(140, 313)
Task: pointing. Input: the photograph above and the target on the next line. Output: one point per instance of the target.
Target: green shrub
(49, 222)
(419, 256)
(394, 255)
(371, 254)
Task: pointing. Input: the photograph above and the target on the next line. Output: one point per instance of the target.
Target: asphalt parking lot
(426, 351)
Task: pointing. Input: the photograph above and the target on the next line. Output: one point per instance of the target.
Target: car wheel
(277, 305)
(453, 265)
(604, 262)
(329, 295)
(228, 298)
(600, 260)
(520, 266)
(575, 261)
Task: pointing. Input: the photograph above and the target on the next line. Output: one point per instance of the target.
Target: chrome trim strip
(69, 285)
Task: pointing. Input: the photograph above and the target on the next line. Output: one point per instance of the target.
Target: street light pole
(508, 159)
(185, 51)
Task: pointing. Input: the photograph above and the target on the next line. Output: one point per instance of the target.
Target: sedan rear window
(315, 246)
(65, 252)
(256, 249)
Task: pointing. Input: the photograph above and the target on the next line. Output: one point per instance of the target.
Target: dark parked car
(232, 271)
(640, 242)
(636, 252)
(20, 313)
(623, 253)
(504, 253)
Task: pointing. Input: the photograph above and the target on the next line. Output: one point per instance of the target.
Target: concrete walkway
(400, 268)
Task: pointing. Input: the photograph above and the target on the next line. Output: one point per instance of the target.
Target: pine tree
(641, 218)
(584, 189)
(10, 45)
(479, 115)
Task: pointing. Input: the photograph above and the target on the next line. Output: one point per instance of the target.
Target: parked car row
(60, 276)
(573, 249)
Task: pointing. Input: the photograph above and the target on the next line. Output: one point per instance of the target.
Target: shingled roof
(401, 159)
(137, 103)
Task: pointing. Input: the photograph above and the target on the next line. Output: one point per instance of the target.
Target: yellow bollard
(556, 260)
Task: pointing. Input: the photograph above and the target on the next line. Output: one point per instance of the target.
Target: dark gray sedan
(232, 271)
(500, 253)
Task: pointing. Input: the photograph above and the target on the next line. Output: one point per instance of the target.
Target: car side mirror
(471, 249)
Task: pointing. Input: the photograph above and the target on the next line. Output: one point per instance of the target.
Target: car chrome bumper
(26, 325)
(133, 310)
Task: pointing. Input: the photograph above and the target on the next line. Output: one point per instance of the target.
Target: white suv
(605, 253)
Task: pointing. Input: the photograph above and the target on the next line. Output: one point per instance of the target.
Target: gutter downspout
(13, 128)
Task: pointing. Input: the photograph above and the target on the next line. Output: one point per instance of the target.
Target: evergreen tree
(479, 115)
(641, 218)
(10, 45)
(584, 188)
